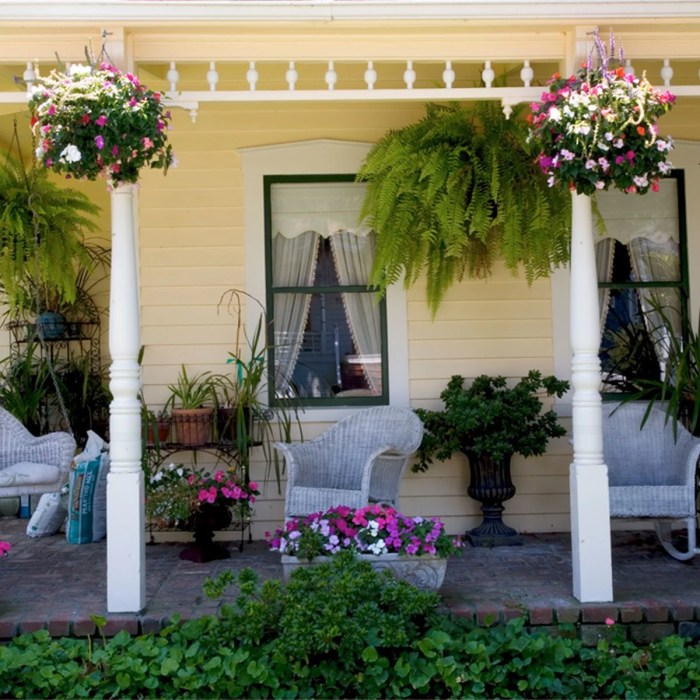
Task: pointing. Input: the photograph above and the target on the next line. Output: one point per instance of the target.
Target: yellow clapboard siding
(182, 316)
(213, 256)
(203, 196)
(219, 277)
(478, 348)
(153, 296)
(510, 367)
(482, 328)
(485, 308)
(181, 237)
(214, 216)
(537, 503)
(539, 485)
(427, 486)
(192, 249)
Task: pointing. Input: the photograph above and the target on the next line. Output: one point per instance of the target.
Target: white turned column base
(126, 542)
(590, 533)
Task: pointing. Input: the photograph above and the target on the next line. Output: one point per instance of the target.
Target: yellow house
(266, 94)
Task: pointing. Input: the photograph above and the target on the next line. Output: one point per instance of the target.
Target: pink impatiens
(374, 529)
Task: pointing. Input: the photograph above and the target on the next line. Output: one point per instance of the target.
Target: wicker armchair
(652, 474)
(29, 464)
(360, 459)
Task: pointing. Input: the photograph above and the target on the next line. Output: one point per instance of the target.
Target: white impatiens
(70, 154)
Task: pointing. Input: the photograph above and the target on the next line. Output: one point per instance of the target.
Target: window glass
(328, 327)
(642, 283)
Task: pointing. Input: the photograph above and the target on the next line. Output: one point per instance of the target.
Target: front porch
(50, 584)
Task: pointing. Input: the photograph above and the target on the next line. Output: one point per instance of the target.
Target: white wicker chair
(29, 464)
(652, 474)
(360, 459)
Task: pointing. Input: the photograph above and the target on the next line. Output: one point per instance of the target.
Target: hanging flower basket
(598, 128)
(99, 122)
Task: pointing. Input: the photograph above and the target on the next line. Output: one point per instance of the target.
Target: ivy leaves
(453, 192)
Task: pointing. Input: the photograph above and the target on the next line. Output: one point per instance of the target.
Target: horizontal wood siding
(192, 251)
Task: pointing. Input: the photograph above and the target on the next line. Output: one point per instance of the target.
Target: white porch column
(126, 552)
(588, 475)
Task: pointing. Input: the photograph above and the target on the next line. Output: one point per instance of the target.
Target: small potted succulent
(488, 421)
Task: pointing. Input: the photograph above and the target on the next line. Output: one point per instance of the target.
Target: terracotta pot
(192, 425)
(163, 433)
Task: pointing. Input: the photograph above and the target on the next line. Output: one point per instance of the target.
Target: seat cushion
(28, 474)
(651, 502)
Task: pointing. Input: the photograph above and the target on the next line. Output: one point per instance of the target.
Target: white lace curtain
(649, 227)
(651, 261)
(302, 214)
(353, 257)
(293, 265)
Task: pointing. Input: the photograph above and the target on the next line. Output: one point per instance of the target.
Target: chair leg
(663, 531)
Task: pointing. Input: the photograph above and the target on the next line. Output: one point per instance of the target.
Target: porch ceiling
(207, 11)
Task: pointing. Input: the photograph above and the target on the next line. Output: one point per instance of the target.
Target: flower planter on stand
(208, 518)
(424, 572)
(491, 484)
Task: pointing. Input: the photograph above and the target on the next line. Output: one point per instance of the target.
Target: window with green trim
(327, 324)
(642, 282)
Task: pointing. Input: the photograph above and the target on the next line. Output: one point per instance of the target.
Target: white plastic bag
(48, 516)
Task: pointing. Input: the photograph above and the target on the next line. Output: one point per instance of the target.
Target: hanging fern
(41, 237)
(453, 192)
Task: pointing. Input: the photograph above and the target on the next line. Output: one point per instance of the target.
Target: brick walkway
(47, 583)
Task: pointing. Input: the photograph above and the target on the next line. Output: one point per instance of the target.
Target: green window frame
(332, 393)
(625, 346)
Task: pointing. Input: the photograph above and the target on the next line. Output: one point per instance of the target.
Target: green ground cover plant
(342, 630)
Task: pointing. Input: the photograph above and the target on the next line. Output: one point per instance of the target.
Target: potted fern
(42, 231)
(453, 192)
(489, 421)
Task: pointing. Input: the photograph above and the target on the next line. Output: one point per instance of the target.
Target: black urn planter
(208, 518)
(491, 484)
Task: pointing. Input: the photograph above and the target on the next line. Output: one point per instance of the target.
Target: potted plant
(250, 420)
(96, 121)
(42, 229)
(455, 191)
(185, 498)
(488, 421)
(25, 383)
(190, 416)
(155, 426)
(598, 128)
(414, 549)
(219, 499)
(678, 388)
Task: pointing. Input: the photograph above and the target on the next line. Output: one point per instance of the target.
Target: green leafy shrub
(343, 630)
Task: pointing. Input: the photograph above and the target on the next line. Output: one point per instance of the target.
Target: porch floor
(48, 583)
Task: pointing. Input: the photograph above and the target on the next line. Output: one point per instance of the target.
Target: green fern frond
(42, 228)
(453, 192)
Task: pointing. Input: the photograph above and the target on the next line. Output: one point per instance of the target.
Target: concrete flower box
(425, 572)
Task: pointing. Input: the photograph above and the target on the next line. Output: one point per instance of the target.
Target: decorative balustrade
(189, 83)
